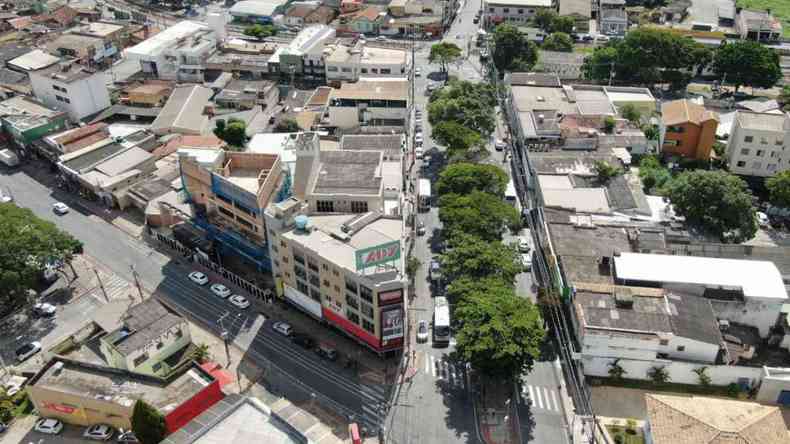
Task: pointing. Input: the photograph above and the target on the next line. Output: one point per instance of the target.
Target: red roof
(217, 372)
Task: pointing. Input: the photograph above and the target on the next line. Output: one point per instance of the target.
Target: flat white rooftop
(535, 3)
(757, 279)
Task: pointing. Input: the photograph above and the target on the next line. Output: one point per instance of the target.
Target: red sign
(60, 408)
(390, 297)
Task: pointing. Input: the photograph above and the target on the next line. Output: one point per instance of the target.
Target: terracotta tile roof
(696, 419)
(187, 141)
(63, 16)
(21, 22)
(371, 13)
(82, 137)
(300, 11)
(684, 111)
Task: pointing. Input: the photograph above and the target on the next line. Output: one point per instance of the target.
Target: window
(312, 266)
(335, 272)
(506, 10)
(681, 348)
(368, 326)
(314, 280)
(288, 275)
(374, 70)
(300, 272)
(351, 286)
(760, 153)
(140, 359)
(359, 207)
(773, 154)
(676, 129)
(764, 140)
(325, 267)
(663, 342)
(745, 152)
(367, 310)
(352, 302)
(345, 69)
(771, 167)
(778, 142)
(366, 293)
(756, 165)
(274, 247)
(331, 68)
(386, 71)
(298, 258)
(741, 163)
(285, 260)
(748, 139)
(363, 70)
(302, 287)
(315, 294)
(277, 263)
(325, 206)
(226, 213)
(179, 334)
(337, 289)
(351, 316)
(520, 11)
(156, 367)
(490, 9)
(326, 283)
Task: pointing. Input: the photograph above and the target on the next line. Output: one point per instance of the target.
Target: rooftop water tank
(301, 222)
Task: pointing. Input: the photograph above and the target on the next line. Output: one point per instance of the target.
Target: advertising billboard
(379, 254)
(392, 323)
(390, 297)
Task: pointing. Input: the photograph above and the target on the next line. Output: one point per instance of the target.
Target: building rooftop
(184, 110)
(390, 144)
(364, 54)
(308, 37)
(682, 111)
(120, 386)
(524, 3)
(763, 121)
(10, 51)
(533, 79)
(284, 145)
(167, 39)
(33, 60)
(759, 20)
(586, 200)
(757, 279)
(581, 8)
(349, 172)
(142, 324)
(98, 29)
(261, 8)
(24, 113)
(73, 42)
(698, 419)
(67, 72)
(554, 57)
(369, 89)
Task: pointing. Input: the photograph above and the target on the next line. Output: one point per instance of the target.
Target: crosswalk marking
(531, 396)
(554, 399)
(544, 398)
(539, 401)
(428, 364)
(444, 370)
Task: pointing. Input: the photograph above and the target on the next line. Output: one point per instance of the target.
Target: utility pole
(225, 335)
(611, 73)
(101, 285)
(137, 282)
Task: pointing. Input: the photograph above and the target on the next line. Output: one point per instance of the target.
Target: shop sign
(60, 408)
(392, 323)
(380, 254)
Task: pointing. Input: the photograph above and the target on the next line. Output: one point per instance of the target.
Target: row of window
(62, 99)
(367, 325)
(771, 167)
(507, 10)
(763, 140)
(759, 153)
(328, 206)
(60, 88)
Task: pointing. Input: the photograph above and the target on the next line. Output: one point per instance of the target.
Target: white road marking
(433, 366)
(428, 363)
(538, 400)
(531, 396)
(546, 396)
(554, 399)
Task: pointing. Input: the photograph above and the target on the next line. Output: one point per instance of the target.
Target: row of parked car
(96, 432)
(220, 290)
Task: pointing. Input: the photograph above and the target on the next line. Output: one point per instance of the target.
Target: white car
(500, 145)
(523, 244)
(220, 290)
(60, 208)
(381, 38)
(526, 261)
(762, 219)
(198, 278)
(417, 72)
(422, 331)
(48, 426)
(283, 328)
(418, 152)
(418, 138)
(239, 301)
(44, 309)
(418, 119)
(99, 432)
(27, 350)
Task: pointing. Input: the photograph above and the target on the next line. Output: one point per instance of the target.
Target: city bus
(424, 194)
(441, 321)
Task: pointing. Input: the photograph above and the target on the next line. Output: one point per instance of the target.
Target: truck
(424, 195)
(9, 158)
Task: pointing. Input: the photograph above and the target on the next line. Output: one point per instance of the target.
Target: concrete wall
(79, 410)
(757, 314)
(737, 143)
(171, 343)
(86, 96)
(775, 381)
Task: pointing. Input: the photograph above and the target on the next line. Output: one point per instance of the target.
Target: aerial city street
(405, 221)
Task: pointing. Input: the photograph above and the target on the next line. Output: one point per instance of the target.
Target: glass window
(312, 265)
(314, 280)
(741, 163)
(325, 267)
(771, 167)
(368, 326)
(778, 142)
(663, 342)
(681, 348)
(760, 153)
(140, 359)
(300, 272)
(745, 152)
(325, 206)
(301, 286)
(506, 10)
(366, 293)
(351, 316)
(345, 69)
(748, 139)
(764, 140)
(363, 70)
(367, 310)
(359, 207)
(326, 283)
(386, 71)
(352, 301)
(331, 68)
(351, 286)
(298, 258)
(520, 11)
(490, 9)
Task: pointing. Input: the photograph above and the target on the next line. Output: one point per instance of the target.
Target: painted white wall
(85, 96)
(754, 165)
(775, 381)
(679, 371)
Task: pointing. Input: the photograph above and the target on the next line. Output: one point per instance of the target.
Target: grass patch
(779, 8)
(711, 390)
(622, 436)
(584, 49)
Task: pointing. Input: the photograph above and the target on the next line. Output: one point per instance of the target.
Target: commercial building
(27, 120)
(758, 144)
(149, 334)
(689, 130)
(184, 112)
(248, 94)
(349, 63)
(229, 191)
(370, 103)
(73, 88)
(757, 25)
(336, 244)
(85, 394)
(177, 53)
(87, 50)
(255, 11)
(515, 12)
(304, 56)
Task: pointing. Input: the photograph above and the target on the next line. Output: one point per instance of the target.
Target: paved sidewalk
(496, 423)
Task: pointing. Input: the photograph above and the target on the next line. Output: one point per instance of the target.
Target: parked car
(418, 152)
(500, 145)
(422, 331)
(27, 350)
(239, 301)
(60, 208)
(99, 432)
(420, 228)
(198, 278)
(127, 437)
(3, 427)
(381, 38)
(524, 244)
(417, 72)
(283, 328)
(763, 219)
(526, 261)
(49, 426)
(418, 138)
(303, 341)
(327, 351)
(220, 290)
(44, 310)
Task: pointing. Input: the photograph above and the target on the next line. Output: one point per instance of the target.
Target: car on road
(418, 138)
(417, 72)
(526, 261)
(303, 341)
(435, 270)
(44, 310)
(327, 351)
(601, 38)
(99, 432)
(381, 38)
(763, 219)
(27, 350)
(49, 426)
(524, 244)
(283, 328)
(60, 208)
(420, 228)
(418, 119)
(430, 88)
(422, 331)
(418, 152)
(476, 20)
(220, 290)
(500, 145)
(198, 278)
(239, 301)
(127, 437)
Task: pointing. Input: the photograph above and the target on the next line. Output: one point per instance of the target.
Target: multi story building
(229, 191)
(349, 63)
(75, 89)
(370, 103)
(87, 50)
(757, 25)
(688, 129)
(177, 53)
(758, 144)
(27, 120)
(336, 244)
(304, 56)
(515, 12)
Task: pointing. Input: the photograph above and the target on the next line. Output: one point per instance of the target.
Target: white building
(759, 144)
(516, 12)
(177, 53)
(370, 102)
(349, 63)
(69, 87)
(305, 54)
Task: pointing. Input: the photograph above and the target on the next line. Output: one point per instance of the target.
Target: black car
(303, 341)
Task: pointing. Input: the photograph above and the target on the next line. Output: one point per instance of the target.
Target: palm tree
(201, 353)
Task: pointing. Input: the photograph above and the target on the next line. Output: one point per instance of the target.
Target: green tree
(702, 376)
(459, 140)
(148, 424)
(27, 245)
(234, 131)
(653, 175)
(748, 63)
(475, 258)
(609, 124)
(779, 189)
(715, 202)
(600, 64)
(463, 178)
(544, 18)
(616, 371)
(563, 24)
(260, 32)
(498, 333)
(558, 41)
(412, 265)
(477, 213)
(444, 53)
(512, 50)
(287, 126)
(630, 113)
(465, 103)
(658, 374)
(201, 353)
(606, 171)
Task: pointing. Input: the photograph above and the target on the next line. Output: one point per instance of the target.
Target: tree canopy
(287, 126)
(512, 50)
(460, 141)
(654, 176)
(478, 213)
(748, 63)
(630, 113)
(475, 258)
(148, 424)
(606, 171)
(498, 332)
(562, 24)
(27, 245)
(260, 31)
(544, 18)
(779, 189)
(468, 104)
(558, 41)
(463, 178)
(444, 53)
(715, 202)
(234, 131)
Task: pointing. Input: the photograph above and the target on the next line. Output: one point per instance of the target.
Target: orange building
(690, 129)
